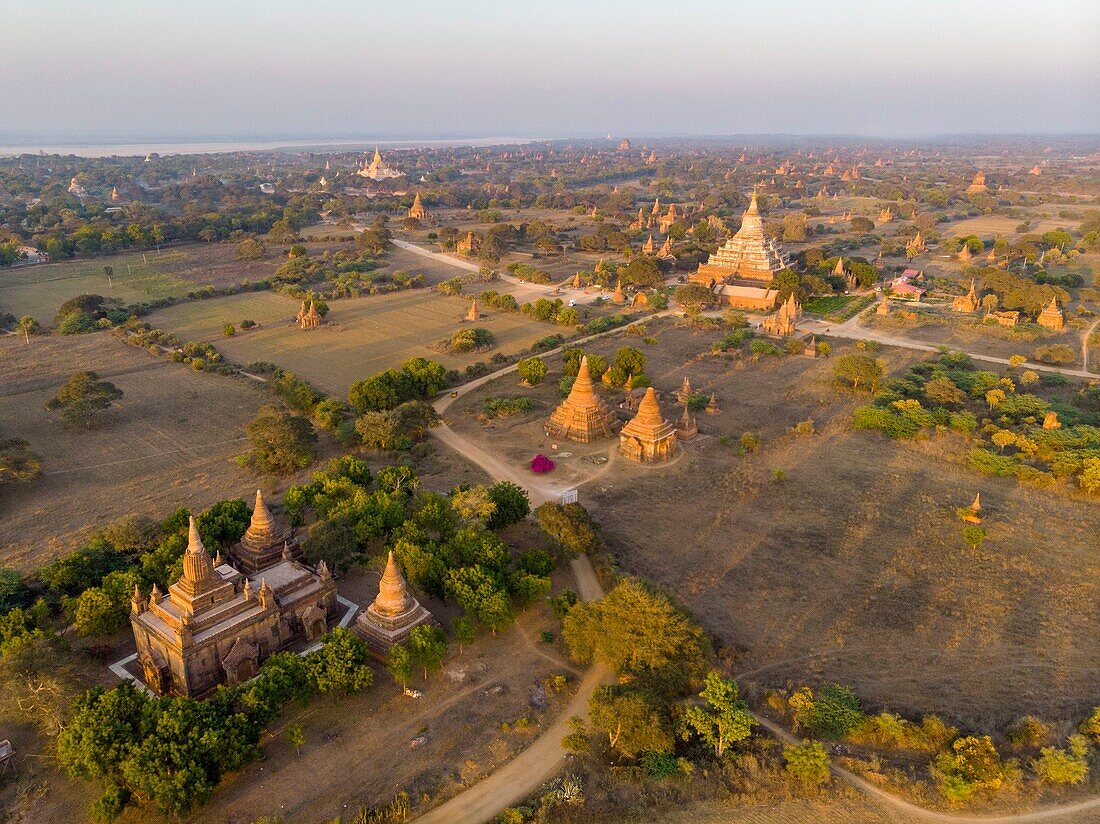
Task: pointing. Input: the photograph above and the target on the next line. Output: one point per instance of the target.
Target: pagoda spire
(754, 207)
(393, 591)
(197, 565)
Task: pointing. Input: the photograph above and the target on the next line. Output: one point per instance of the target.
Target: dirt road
(540, 762)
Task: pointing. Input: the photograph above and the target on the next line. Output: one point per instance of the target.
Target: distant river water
(218, 146)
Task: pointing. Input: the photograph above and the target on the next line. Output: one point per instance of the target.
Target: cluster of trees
(949, 391)
(417, 379)
(82, 396)
(552, 311)
(172, 752)
(628, 365)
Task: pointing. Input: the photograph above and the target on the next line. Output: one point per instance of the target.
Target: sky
(362, 69)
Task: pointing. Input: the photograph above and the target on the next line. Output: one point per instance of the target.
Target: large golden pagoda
(648, 437)
(583, 416)
(748, 254)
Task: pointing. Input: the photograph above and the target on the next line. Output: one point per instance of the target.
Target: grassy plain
(40, 289)
(168, 442)
(362, 336)
(838, 556)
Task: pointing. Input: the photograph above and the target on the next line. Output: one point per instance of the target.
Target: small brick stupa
(648, 437)
(583, 416)
(264, 541)
(393, 615)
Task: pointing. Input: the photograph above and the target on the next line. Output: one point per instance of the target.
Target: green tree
(723, 720)
(858, 371)
(251, 249)
(462, 628)
(281, 442)
(532, 370)
(295, 737)
(17, 462)
(1068, 766)
(399, 664)
(694, 297)
(82, 396)
(428, 646)
(807, 763)
(634, 720)
(28, 326)
(634, 629)
(512, 504)
(972, 764)
(333, 541)
(570, 525)
(342, 663)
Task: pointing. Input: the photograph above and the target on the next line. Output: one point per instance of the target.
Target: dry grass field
(994, 226)
(167, 443)
(40, 289)
(849, 564)
(362, 336)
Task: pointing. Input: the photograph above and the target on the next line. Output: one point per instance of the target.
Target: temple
(393, 614)
(648, 437)
(583, 416)
(417, 210)
(782, 323)
(308, 318)
(977, 185)
(216, 625)
(265, 542)
(748, 254)
(1051, 317)
(377, 170)
(968, 302)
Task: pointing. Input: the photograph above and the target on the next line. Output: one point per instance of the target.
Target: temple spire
(393, 592)
(197, 565)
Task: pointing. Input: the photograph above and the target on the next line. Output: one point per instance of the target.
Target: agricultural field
(837, 308)
(167, 443)
(837, 555)
(362, 336)
(993, 226)
(38, 290)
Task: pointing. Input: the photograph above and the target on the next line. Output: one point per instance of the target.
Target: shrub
(971, 765)
(750, 442)
(504, 407)
(807, 763)
(1057, 354)
(1069, 766)
(532, 370)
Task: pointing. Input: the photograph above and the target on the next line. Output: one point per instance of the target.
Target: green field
(362, 336)
(40, 289)
(836, 308)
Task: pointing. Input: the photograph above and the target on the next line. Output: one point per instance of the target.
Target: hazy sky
(419, 68)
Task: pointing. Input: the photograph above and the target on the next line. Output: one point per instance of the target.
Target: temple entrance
(243, 672)
(315, 629)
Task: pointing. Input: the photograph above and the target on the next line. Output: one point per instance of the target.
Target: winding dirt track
(529, 770)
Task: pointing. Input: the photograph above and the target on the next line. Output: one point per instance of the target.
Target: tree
(723, 720)
(634, 720)
(1068, 766)
(807, 763)
(694, 297)
(295, 738)
(642, 271)
(861, 224)
(994, 397)
(332, 541)
(462, 628)
(633, 629)
(342, 663)
(474, 506)
(943, 391)
(570, 525)
(17, 462)
(512, 504)
(972, 764)
(532, 370)
(1003, 438)
(251, 249)
(82, 396)
(858, 370)
(832, 713)
(281, 442)
(28, 326)
(428, 646)
(399, 663)
(794, 227)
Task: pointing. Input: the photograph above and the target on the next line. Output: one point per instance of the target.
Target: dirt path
(537, 764)
(1085, 345)
(540, 762)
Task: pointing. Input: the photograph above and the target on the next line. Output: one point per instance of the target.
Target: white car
(573, 302)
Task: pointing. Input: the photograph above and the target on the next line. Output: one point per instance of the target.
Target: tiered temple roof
(748, 254)
(583, 416)
(648, 437)
(1051, 317)
(968, 302)
(783, 322)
